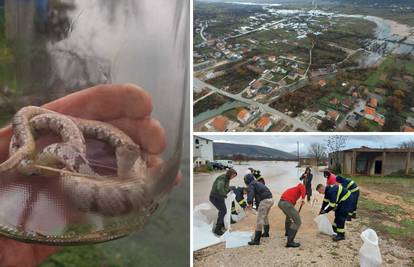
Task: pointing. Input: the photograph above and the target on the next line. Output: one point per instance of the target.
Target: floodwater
(278, 175)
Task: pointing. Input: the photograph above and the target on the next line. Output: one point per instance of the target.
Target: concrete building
(373, 161)
(203, 151)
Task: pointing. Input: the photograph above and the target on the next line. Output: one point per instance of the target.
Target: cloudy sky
(288, 143)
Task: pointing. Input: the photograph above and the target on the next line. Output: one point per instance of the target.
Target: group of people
(340, 194)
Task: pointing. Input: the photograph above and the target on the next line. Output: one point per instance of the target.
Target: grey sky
(288, 143)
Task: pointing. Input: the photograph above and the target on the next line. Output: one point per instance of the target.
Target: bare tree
(318, 151)
(335, 144)
(406, 144)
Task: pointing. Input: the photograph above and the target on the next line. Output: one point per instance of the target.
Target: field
(389, 207)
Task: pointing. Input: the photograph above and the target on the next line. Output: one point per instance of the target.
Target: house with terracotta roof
(373, 115)
(333, 115)
(334, 101)
(220, 123)
(347, 103)
(322, 83)
(373, 102)
(408, 129)
(369, 113)
(263, 124)
(244, 116)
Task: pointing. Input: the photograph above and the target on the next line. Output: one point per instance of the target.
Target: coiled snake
(89, 191)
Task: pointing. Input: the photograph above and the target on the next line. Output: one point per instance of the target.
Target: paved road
(265, 107)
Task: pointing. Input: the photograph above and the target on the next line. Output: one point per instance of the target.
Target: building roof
(220, 123)
(322, 83)
(199, 137)
(347, 102)
(263, 122)
(243, 114)
(333, 115)
(369, 111)
(373, 102)
(368, 149)
(408, 129)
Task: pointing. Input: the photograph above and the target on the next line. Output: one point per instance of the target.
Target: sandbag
(324, 225)
(230, 198)
(369, 254)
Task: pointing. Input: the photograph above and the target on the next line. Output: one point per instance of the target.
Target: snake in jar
(89, 191)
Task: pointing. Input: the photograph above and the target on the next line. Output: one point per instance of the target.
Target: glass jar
(55, 50)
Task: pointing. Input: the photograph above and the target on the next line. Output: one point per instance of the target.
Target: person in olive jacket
(219, 191)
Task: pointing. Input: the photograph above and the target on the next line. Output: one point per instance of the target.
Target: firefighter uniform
(337, 198)
(238, 191)
(351, 186)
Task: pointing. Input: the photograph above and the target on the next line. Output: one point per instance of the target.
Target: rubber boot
(287, 226)
(218, 229)
(266, 231)
(232, 221)
(354, 215)
(339, 237)
(256, 240)
(290, 240)
(349, 218)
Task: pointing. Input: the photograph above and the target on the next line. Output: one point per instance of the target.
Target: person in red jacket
(330, 177)
(287, 205)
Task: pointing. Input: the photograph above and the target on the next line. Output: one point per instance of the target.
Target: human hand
(322, 212)
(302, 202)
(124, 106)
(127, 107)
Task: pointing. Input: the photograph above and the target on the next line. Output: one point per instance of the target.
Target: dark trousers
(341, 213)
(219, 203)
(355, 201)
(308, 193)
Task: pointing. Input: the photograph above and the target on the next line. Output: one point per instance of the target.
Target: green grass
(379, 208)
(375, 77)
(399, 227)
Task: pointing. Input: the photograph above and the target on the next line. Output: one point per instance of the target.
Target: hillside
(227, 150)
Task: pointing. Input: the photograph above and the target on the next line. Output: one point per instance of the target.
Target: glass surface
(49, 49)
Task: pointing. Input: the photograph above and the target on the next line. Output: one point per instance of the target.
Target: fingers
(105, 103)
(147, 133)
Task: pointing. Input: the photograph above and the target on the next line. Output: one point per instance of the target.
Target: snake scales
(89, 191)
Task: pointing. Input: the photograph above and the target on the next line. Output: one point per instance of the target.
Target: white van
(225, 163)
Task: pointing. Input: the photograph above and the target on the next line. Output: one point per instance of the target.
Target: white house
(203, 151)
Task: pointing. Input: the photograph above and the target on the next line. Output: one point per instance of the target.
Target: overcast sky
(289, 143)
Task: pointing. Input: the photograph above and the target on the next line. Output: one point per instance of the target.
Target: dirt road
(315, 250)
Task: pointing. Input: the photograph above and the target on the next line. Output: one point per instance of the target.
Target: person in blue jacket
(336, 198)
(351, 186)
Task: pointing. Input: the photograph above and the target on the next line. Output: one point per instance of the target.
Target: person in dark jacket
(352, 187)
(257, 190)
(239, 192)
(307, 177)
(218, 193)
(336, 198)
(257, 175)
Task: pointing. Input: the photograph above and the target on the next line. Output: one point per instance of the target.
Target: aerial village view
(296, 66)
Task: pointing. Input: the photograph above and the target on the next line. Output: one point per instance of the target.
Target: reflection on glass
(51, 48)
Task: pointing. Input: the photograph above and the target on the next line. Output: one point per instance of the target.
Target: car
(218, 166)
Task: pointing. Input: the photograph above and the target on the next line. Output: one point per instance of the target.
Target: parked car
(217, 166)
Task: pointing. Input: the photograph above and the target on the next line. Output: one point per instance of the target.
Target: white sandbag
(324, 225)
(238, 217)
(202, 228)
(230, 197)
(369, 254)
